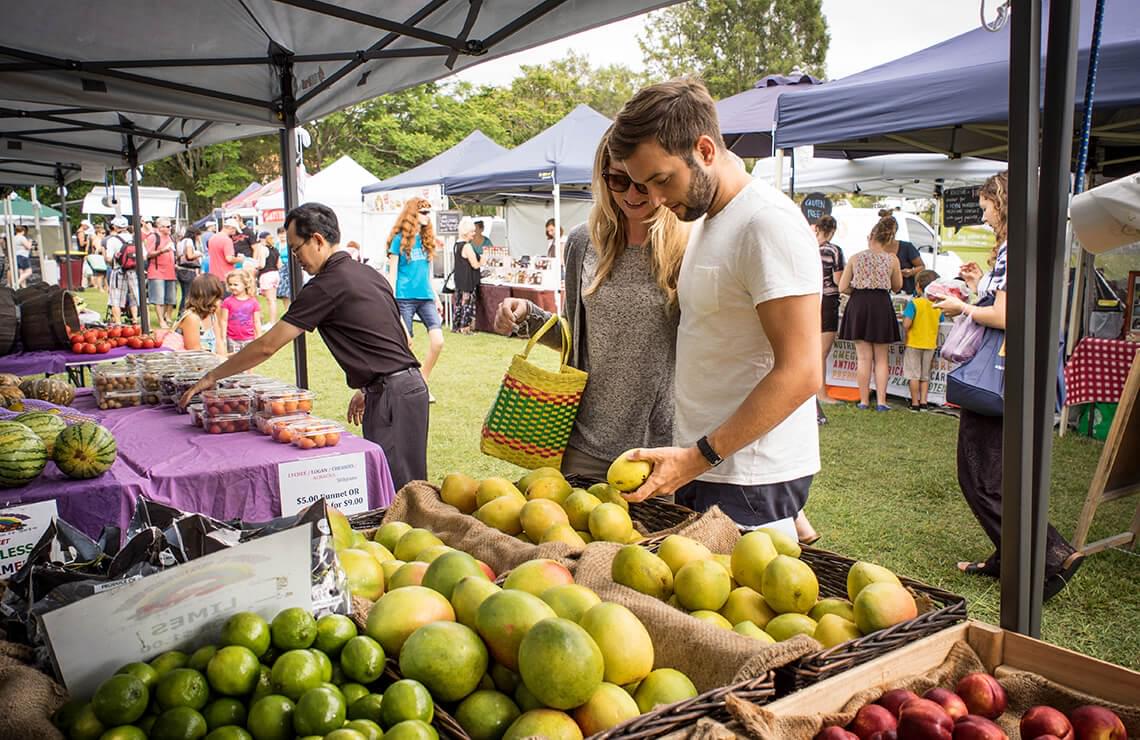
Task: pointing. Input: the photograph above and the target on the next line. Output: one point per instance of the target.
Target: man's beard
(702, 188)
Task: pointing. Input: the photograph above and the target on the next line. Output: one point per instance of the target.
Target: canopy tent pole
(792, 176)
(1017, 586)
(9, 243)
(937, 227)
(289, 198)
(778, 168)
(558, 250)
(140, 252)
(65, 228)
(39, 234)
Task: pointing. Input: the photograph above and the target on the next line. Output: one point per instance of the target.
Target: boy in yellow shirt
(920, 320)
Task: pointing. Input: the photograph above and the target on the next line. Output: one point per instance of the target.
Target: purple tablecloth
(56, 361)
(162, 455)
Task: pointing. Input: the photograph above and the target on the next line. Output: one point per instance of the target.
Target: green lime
(293, 629)
(234, 671)
(332, 687)
(294, 673)
(333, 630)
(486, 715)
(362, 659)
(248, 629)
(326, 665)
(319, 712)
(123, 732)
(404, 700)
(223, 712)
(353, 691)
(412, 729)
(200, 658)
(65, 715)
(230, 732)
(271, 718)
(338, 676)
(142, 671)
(366, 727)
(345, 733)
(366, 707)
(168, 661)
(179, 723)
(182, 687)
(86, 726)
(147, 722)
(120, 700)
(264, 685)
(270, 656)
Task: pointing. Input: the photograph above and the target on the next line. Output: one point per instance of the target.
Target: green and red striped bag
(530, 421)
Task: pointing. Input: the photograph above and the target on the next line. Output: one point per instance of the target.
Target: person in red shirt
(221, 250)
(160, 278)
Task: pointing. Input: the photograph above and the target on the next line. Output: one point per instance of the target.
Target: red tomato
(134, 343)
(89, 348)
(90, 336)
(116, 332)
(103, 348)
(101, 333)
(75, 338)
(148, 343)
(77, 347)
(121, 341)
(128, 331)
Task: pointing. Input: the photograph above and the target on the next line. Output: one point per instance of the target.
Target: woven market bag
(530, 421)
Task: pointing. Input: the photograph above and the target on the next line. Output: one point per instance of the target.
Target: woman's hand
(356, 408)
(972, 274)
(510, 314)
(950, 305)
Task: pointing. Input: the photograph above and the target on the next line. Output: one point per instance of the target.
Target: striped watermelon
(22, 454)
(46, 425)
(85, 450)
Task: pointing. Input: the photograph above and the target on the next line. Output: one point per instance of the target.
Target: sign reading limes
(20, 529)
(180, 607)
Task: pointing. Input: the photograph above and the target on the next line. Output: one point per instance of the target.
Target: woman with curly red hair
(411, 250)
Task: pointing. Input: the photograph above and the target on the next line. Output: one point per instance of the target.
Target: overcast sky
(860, 39)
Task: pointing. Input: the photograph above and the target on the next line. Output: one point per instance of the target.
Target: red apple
(870, 719)
(983, 695)
(1096, 723)
(895, 698)
(922, 719)
(973, 727)
(949, 701)
(835, 732)
(1038, 721)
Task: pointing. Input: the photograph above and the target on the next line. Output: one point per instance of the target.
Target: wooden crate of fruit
(1040, 690)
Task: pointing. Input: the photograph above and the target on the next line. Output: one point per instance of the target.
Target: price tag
(20, 529)
(181, 608)
(339, 479)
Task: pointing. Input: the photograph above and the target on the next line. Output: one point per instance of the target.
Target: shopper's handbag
(979, 384)
(965, 336)
(530, 421)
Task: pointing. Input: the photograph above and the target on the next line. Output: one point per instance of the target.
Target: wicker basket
(655, 514)
(673, 717)
(443, 722)
(944, 610)
(367, 519)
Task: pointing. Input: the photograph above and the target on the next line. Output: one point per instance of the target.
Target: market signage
(842, 363)
(339, 479)
(815, 206)
(20, 529)
(179, 608)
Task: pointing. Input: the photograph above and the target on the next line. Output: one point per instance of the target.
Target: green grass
(888, 490)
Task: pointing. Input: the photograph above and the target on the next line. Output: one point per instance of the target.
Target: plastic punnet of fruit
(227, 401)
(287, 402)
(266, 423)
(316, 433)
(225, 423)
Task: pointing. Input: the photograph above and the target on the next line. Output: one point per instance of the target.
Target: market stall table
(1097, 370)
(543, 298)
(490, 296)
(52, 362)
(842, 364)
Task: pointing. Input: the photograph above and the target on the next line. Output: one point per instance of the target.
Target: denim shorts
(424, 309)
(162, 292)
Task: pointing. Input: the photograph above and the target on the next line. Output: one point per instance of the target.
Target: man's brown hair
(675, 113)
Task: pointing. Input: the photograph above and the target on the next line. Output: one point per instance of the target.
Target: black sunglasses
(619, 183)
(425, 213)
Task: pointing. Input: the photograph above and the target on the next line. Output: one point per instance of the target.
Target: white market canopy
(153, 202)
(898, 175)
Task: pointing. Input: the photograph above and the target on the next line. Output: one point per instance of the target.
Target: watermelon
(85, 450)
(46, 425)
(22, 454)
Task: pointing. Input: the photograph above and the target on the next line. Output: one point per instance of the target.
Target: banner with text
(339, 479)
(842, 364)
(20, 529)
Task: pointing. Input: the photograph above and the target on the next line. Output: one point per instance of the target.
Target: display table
(490, 296)
(163, 456)
(1097, 370)
(547, 300)
(842, 364)
(51, 362)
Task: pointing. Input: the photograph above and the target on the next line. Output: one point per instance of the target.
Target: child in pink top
(241, 313)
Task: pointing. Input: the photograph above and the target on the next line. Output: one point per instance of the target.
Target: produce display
(313, 433)
(102, 341)
(85, 450)
(52, 390)
(267, 423)
(227, 401)
(11, 397)
(280, 403)
(763, 590)
(969, 713)
(550, 510)
(22, 454)
(225, 423)
(46, 426)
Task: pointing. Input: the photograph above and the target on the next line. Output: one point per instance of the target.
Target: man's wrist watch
(708, 452)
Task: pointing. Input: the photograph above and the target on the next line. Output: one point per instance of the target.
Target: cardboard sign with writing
(181, 608)
(339, 479)
(20, 529)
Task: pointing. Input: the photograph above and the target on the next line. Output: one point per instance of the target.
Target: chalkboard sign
(815, 206)
(960, 207)
(447, 222)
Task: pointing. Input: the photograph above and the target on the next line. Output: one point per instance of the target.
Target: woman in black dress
(468, 261)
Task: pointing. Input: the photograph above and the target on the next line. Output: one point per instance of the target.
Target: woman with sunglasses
(621, 303)
(411, 252)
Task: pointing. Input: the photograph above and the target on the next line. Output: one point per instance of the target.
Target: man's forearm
(774, 398)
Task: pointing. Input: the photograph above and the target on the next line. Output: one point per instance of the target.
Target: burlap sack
(1023, 691)
(713, 529)
(710, 656)
(418, 504)
(28, 697)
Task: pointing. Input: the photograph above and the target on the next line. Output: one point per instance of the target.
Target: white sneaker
(431, 398)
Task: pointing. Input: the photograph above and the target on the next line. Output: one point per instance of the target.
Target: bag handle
(546, 327)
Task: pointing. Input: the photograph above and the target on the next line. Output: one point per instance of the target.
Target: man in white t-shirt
(22, 246)
(748, 345)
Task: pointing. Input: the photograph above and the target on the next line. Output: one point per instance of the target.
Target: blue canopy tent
(748, 118)
(477, 147)
(953, 98)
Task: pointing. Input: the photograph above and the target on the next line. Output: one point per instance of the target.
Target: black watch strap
(709, 453)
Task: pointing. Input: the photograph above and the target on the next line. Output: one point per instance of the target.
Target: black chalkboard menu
(815, 206)
(447, 222)
(960, 207)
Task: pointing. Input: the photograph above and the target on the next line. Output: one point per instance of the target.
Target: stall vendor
(354, 310)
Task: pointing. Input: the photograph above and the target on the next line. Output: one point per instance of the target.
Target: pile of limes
(295, 677)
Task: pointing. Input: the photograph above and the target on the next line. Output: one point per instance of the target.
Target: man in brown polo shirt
(353, 308)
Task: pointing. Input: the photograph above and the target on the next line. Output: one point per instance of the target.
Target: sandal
(1056, 582)
(984, 568)
(809, 541)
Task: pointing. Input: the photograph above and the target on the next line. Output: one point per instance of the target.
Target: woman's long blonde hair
(996, 190)
(668, 236)
(408, 226)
